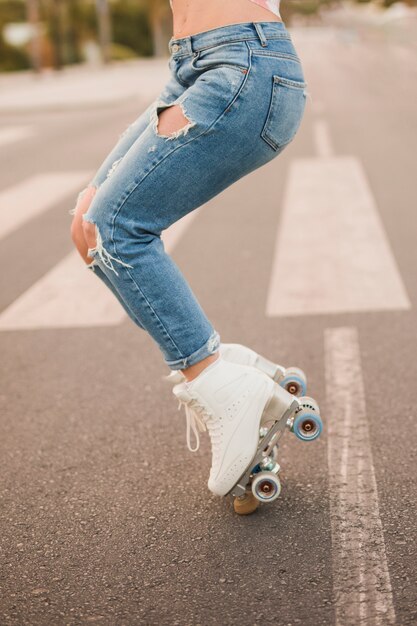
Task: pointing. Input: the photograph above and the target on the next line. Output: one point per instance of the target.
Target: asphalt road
(104, 514)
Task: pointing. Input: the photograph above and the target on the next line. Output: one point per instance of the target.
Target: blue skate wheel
(307, 426)
(294, 384)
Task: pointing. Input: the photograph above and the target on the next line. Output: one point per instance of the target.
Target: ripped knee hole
(95, 246)
(84, 199)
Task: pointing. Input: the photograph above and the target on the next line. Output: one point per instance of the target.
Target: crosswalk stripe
(69, 295)
(54, 301)
(361, 581)
(35, 195)
(11, 134)
(322, 139)
(332, 254)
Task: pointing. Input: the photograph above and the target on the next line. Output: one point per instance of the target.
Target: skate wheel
(266, 486)
(294, 381)
(245, 505)
(307, 425)
(309, 403)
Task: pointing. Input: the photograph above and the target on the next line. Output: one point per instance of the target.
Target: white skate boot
(293, 379)
(231, 401)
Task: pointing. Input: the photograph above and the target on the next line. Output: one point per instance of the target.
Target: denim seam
(279, 55)
(158, 319)
(177, 76)
(223, 43)
(231, 40)
(242, 85)
(93, 266)
(216, 65)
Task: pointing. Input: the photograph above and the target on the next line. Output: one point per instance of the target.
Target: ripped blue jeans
(241, 89)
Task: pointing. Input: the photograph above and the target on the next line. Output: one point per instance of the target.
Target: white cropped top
(271, 5)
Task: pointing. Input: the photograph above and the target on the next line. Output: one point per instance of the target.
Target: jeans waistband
(226, 34)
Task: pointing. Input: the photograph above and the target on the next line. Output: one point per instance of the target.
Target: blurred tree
(11, 57)
(131, 26)
(55, 15)
(32, 12)
(161, 24)
(77, 29)
(104, 28)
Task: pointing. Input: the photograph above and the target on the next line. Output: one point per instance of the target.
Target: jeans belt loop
(261, 34)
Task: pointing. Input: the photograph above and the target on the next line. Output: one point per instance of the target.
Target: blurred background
(41, 34)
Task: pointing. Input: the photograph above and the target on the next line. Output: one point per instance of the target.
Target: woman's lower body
(242, 89)
(240, 92)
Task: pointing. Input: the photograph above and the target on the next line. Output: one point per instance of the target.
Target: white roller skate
(245, 412)
(293, 379)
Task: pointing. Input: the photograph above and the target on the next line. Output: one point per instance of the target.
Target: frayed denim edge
(207, 349)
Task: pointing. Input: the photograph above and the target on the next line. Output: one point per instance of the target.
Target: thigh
(161, 179)
(132, 133)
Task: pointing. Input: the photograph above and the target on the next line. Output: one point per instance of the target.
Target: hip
(247, 76)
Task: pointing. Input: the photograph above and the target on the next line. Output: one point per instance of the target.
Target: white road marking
(66, 294)
(361, 581)
(322, 139)
(318, 105)
(69, 295)
(173, 234)
(332, 254)
(12, 134)
(35, 195)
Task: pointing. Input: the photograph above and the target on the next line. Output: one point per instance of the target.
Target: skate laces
(198, 420)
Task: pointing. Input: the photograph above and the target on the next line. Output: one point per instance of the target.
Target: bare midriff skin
(194, 16)
(189, 18)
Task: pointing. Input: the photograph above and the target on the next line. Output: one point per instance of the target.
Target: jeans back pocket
(285, 112)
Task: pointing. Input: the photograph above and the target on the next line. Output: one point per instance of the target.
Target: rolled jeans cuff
(207, 349)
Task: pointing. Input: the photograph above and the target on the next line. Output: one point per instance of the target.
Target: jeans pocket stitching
(246, 74)
(278, 84)
(277, 55)
(197, 56)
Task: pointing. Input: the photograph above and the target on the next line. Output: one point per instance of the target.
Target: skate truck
(260, 482)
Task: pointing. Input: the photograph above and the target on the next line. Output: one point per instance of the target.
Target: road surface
(104, 514)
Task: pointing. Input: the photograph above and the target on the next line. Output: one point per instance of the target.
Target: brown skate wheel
(245, 505)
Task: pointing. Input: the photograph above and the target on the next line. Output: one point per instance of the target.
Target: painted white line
(70, 295)
(15, 133)
(318, 105)
(361, 581)
(35, 195)
(173, 234)
(322, 139)
(67, 294)
(332, 254)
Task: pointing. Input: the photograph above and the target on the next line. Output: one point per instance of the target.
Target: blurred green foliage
(131, 26)
(69, 24)
(12, 58)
